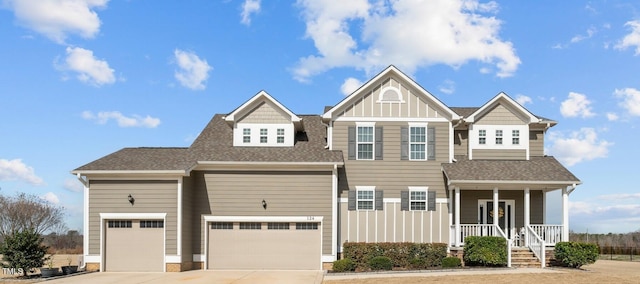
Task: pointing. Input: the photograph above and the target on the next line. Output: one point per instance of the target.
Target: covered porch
(508, 199)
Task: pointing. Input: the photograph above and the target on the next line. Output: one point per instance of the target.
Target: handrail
(551, 234)
(536, 244)
(502, 234)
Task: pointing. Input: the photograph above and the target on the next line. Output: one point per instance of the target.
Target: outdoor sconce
(264, 204)
(131, 199)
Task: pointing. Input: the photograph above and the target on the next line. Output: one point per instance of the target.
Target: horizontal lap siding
(286, 194)
(150, 197)
(469, 204)
(500, 115)
(499, 154)
(264, 113)
(187, 219)
(536, 143)
(461, 142)
(393, 174)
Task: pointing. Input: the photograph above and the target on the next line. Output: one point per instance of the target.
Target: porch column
(565, 214)
(527, 213)
(450, 212)
(457, 206)
(495, 208)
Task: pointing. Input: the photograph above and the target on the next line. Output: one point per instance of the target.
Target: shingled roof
(215, 143)
(536, 169)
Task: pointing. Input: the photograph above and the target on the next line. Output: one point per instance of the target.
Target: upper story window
(418, 143)
(365, 142)
(498, 137)
(263, 135)
(482, 137)
(246, 135)
(365, 199)
(418, 200)
(515, 137)
(280, 136)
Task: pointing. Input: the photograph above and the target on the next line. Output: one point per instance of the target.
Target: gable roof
(256, 101)
(391, 70)
(499, 99)
(467, 111)
(537, 170)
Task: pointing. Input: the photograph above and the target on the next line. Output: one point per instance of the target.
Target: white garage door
(134, 245)
(264, 245)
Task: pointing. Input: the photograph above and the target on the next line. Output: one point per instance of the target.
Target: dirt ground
(603, 271)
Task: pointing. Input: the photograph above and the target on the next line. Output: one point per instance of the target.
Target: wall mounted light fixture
(264, 204)
(131, 199)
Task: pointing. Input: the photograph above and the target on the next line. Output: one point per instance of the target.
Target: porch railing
(502, 234)
(467, 230)
(536, 244)
(551, 234)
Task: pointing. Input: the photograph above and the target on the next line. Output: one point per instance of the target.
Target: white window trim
(373, 141)
(507, 131)
(501, 137)
(272, 134)
(246, 135)
(482, 136)
(398, 92)
(424, 189)
(426, 139)
(513, 136)
(373, 200)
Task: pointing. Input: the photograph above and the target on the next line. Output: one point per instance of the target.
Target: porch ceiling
(536, 173)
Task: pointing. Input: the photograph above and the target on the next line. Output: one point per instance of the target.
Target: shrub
(451, 262)
(343, 265)
(24, 250)
(485, 251)
(575, 254)
(380, 263)
(418, 263)
(401, 254)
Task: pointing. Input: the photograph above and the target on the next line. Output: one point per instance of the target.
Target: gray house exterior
(264, 188)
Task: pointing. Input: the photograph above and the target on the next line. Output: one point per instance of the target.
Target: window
(151, 224)
(246, 135)
(365, 199)
(280, 135)
(250, 226)
(306, 226)
(119, 224)
(277, 226)
(418, 142)
(390, 94)
(482, 137)
(222, 226)
(263, 135)
(515, 137)
(418, 200)
(498, 137)
(365, 142)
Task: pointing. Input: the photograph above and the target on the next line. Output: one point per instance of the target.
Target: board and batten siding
(469, 204)
(500, 115)
(368, 105)
(264, 113)
(499, 154)
(287, 193)
(153, 196)
(392, 174)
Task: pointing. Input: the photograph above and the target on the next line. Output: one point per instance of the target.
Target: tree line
(627, 243)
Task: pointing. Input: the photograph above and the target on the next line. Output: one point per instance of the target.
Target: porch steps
(524, 258)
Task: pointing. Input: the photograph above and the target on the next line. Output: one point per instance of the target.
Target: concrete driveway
(196, 277)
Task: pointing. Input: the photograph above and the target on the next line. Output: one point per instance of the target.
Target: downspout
(85, 221)
(326, 146)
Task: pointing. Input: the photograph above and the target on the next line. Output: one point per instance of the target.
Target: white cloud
(632, 39)
(620, 196)
(50, 197)
(90, 69)
(56, 19)
(612, 116)
(448, 87)
(578, 38)
(576, 105)
(350, 85)
(409, 34)
(123, 121)
(193, 72)
(630, 100)
(579, 146)
(16, 170)
(523, 100)
(249, 7)
(73, 185)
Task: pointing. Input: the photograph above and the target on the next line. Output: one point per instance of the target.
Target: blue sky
(83, 78)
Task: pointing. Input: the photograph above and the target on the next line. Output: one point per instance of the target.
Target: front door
(506, 215)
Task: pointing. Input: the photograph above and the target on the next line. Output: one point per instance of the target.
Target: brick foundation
(197, 265)
(174, 267)
(93, 266)
(327, 266)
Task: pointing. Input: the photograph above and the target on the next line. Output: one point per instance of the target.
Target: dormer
(263, 122)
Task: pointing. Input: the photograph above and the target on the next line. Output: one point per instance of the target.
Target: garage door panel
(264, 249)
(134, 249)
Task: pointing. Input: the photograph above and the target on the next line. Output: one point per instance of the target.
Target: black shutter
(351, 202)
(431, 143)
(378, 145)
(404, 143)
(351, 149)
(431, 201)
(379, 200)
(404, 200)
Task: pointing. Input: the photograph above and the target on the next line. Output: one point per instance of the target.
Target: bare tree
(28, 212)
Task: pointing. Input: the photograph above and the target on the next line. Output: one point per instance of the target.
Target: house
(264, 188)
